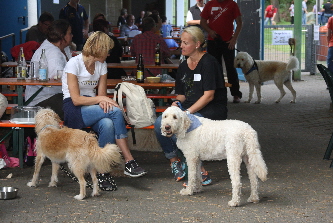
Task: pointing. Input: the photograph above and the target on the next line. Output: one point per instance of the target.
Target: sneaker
(236, 99)
(132, 169)
(206, 180)
(177, 168)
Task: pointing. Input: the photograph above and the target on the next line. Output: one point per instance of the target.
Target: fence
(313, 52)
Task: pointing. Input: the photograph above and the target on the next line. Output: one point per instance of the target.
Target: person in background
(138, 21)
(38, 32)
(217, 18)
(129, 26)
(304, 11)
(270, 13)
(78, 18)
(115, 53)
(200, 90)
(122, 17)
(326, 12)
(193, 15)
(292, 12)
(146, 42)
(166, 29)
(83, 107)
(57, 53)
(330, 44)
(158, 22)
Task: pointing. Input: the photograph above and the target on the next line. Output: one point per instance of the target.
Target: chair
(328, 77)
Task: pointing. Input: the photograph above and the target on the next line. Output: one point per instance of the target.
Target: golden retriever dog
(258, 71)
(76, 147)
(207, 139)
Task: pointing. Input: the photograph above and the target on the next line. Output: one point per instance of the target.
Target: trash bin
(322, 47)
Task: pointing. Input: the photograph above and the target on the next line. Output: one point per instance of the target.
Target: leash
(101, 178)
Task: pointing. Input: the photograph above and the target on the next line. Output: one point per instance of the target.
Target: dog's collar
(195, 123)
(48, 126)
(254, 67)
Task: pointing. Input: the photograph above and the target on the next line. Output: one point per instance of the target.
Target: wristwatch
(187, 112)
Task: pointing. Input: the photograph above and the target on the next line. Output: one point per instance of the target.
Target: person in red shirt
(270, 13)
(217, 18)
(145, 44)
(330, 44)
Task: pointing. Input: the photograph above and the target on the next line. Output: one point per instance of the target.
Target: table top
(111, 83)
(123, 64)
(134, 65)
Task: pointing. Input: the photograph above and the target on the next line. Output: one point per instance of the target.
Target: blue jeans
(168, 144)
(304, 18)
(330, 59)
(108, 126)
(268, 19)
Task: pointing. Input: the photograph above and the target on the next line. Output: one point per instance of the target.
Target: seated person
(57, 53)
(166, 29)
(129, 26)
(115, 53)
(38, 32)
(201, 91)
(146, 42)
(84, 108)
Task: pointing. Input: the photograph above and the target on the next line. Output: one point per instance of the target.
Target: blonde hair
(197, 35)
(97, 45)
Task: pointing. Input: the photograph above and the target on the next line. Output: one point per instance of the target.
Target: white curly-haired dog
(258, 71)
(216, 140)
(76, 147)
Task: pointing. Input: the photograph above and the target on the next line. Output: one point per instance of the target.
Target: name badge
(197, 77)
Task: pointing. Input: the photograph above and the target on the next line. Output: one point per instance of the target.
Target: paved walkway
(299, 188)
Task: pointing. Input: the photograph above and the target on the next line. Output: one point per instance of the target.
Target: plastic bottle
(42, 72)
(157, 54)
(140, 70)
(21, 70)
(126, 46)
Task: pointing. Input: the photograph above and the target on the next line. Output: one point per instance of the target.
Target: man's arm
(85, 28)
(204, 25)
(233, 40)
(329, 35)
(190, 21)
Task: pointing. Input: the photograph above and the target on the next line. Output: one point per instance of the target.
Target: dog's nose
(167, 127)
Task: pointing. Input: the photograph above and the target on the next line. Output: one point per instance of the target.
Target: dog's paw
(277, 101)
(79, 197)
(30, 184)
(257, 102)
(186, 191)
(292, 101)
(233, 203)
(53, 184)
(253, 199)
(95, 194)
(248, 101)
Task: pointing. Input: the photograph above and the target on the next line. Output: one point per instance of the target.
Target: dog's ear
(185, 123)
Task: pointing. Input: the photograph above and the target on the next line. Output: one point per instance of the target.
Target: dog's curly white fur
(278, 71)
(76, 147)
(216, 140)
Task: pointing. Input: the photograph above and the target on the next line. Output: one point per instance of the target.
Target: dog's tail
(254, 154)
(292, 64)
(105, 158)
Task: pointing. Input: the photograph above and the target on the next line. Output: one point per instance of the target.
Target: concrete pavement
(293, 140)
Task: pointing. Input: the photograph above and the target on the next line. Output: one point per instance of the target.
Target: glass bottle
(42, 72)
(21, 70)
(140, 70)
(157, 54)
(126, 46)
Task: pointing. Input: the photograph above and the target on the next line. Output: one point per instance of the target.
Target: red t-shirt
(330, 26)
(270, 12)
(220, 17)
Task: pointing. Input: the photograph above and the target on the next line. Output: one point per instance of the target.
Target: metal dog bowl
(7, 193)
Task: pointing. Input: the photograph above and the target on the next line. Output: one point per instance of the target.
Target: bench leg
(329, 149)
(18, 144)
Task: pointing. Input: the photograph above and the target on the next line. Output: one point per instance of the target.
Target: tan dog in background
(76, 147)
(258, 71)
